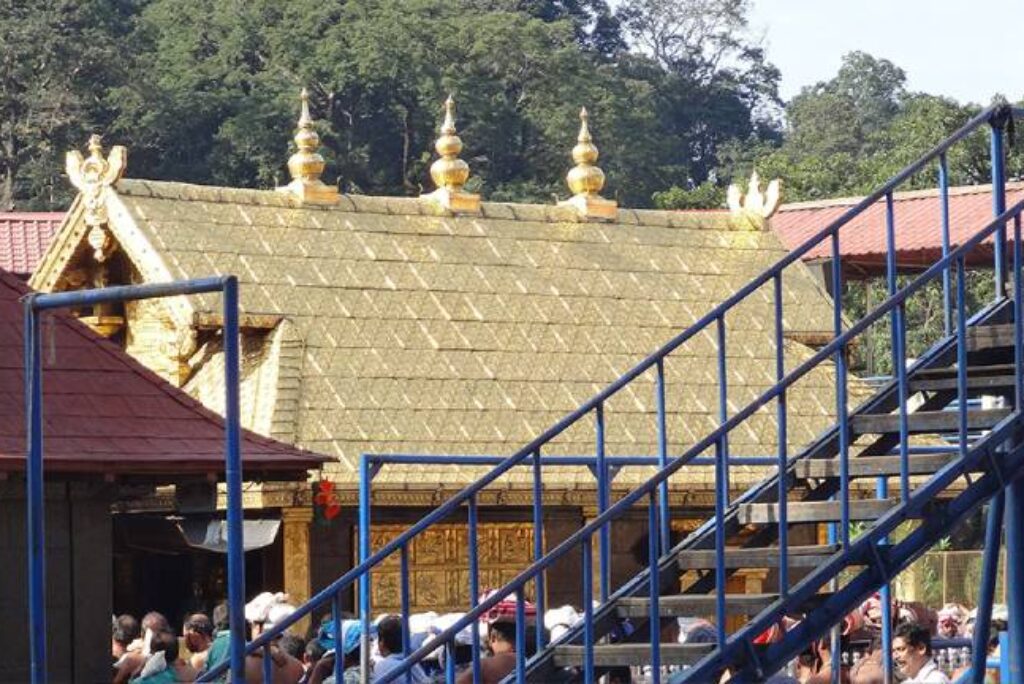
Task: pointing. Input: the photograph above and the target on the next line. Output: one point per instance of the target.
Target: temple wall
(79, 582)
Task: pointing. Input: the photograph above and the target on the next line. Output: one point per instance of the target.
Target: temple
(448, 325)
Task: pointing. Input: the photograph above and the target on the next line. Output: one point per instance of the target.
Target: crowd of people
(927, 646)
(151, 652)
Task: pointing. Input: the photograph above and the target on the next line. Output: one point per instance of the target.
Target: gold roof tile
(423, 333)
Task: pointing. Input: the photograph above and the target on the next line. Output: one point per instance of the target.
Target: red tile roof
(106, 413)
(24, 237)
(862, 242)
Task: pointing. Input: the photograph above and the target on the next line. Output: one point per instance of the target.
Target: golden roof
(376, 325)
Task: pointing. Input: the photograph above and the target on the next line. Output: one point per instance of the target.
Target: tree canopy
(682, 98)
(206, 91)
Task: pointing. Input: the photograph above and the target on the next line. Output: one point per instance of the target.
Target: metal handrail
(627, 501)
(595, 404)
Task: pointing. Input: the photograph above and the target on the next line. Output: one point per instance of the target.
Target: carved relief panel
(439, 565)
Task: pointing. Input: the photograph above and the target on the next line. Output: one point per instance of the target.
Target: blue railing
(34, 305)
(952, 266)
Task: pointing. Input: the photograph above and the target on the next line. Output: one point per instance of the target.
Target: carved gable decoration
(92, 175)
(753, 209)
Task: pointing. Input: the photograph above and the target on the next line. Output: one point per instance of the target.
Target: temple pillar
(297, 583)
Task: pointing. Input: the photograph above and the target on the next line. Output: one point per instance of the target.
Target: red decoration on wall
(326, 498)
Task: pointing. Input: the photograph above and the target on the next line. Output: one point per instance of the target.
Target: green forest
(681, 95)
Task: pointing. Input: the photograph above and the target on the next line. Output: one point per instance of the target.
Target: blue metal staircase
(980, 353)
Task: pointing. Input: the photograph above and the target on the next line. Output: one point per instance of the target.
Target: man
(198, 633)
(501, 642)
(912, 651)
(285, 669)
(126, 648)
(158, 668)
(389, 643)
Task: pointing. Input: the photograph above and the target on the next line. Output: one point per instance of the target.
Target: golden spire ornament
(449, 172)
(752, 210)
(586, 180)
(306, 165)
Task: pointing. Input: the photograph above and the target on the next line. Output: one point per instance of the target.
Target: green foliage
(205, 90)
(707, 195)
(58, 59)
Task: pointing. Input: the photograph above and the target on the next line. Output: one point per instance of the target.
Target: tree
(58, 60)
(205, 91)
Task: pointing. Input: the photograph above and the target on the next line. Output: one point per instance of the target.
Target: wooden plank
(689, 605)
(623, 655)
(870, 466)
(926, 421)
(974, 382)
(766, 557)
(950, 371)
(813, 511)
(986, 337)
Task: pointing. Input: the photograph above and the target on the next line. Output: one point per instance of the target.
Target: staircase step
(629, 655)
(813, 511)
(978, 378)
(926, 421)
(760, 557)
(688, 605)
(870, 466)
(986, 337)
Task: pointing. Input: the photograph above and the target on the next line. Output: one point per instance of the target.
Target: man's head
(220, 617)
(911, 648)
(155, 622)
(198, 632)
(501, 636)
(125, 631)
(389, 635)
(167, 643)
(292, 644)
(314, 652)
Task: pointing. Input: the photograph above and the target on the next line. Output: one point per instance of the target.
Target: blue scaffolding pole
(34, 305)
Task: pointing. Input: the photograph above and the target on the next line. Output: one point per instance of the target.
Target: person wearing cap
(323, 671)
(950, 620)
(501, 640)
(261, 614)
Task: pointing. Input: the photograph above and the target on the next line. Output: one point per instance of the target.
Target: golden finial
(306, 165)
(752, 210)
(585, 179)
(93, 174)
(449, 172)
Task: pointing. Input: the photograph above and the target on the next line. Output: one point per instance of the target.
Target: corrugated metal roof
(24, 237)
(918, 225)
(105, 413)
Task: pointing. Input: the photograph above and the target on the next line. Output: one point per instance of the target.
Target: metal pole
(233, 481)
(999, 203)
(364, 579)
(654, 590)
(1014, 525)
(539, 599)
(35, 495)
(947, 290)
(987, 590)
(841, 398)
(882, 492)
(665, 517)
(474, 580)
(782, 438)
(603, 501)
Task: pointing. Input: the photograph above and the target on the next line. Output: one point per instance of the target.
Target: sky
(965, 50)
